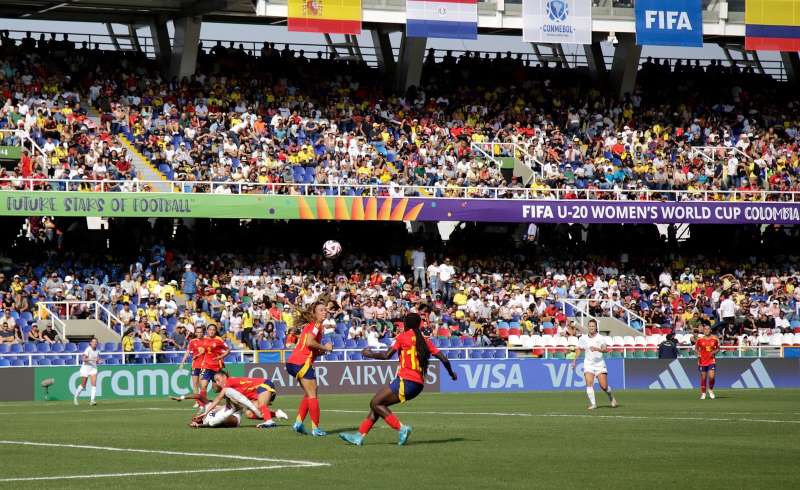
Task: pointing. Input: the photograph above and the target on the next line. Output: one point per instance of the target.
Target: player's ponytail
(307, 315)
(413, 321)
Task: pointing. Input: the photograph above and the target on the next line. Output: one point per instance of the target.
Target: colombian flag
(772, 25)
(325, 16)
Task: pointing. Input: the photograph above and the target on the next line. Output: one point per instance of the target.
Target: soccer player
(193, 349)
(415, 352)
(89, 361)
(594, 345)
(213, 351)
(261, 391)
(707, 348)
(301, 365)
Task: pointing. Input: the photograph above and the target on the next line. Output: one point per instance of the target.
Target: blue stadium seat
(455, 342)
(264, 344)
(30, 347)
(43, 347)
(338, 342)
(19, 363)
(350, 344)
(43, 362)
(113, 362)
(4, 362)
(5, 348)
(82, 346)
(362, 343)
(354, 356)
(57, 347)
(16, 349)
(109, 347)
(71, 347)
(57, 362)
(469, 342)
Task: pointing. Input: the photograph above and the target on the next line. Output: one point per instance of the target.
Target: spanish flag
(772, 25)
(325, 16)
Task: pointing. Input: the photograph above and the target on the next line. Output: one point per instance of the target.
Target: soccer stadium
(499, 244)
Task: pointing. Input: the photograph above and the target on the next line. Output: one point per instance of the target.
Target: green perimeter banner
(135, 380)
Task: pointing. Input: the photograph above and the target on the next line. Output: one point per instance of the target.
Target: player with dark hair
(415, 351)
(301, 365)
(193, 350)
(707, 348)
(213, 351)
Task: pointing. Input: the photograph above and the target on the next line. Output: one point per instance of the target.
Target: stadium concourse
(160, 282)
(277, 117)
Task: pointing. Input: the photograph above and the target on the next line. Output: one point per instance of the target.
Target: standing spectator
(189, 283)
(446, 273)
(433, 277)
(127, 344)
(418, 263)
(179, 340)
(126, 315)
(727, 315)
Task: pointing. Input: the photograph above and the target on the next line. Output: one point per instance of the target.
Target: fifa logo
(557, 10)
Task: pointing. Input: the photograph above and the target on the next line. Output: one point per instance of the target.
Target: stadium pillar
(625, 65)
(409, 66)
(791, 64)
(184, 50)
(383, 50)
(161, 42)
(595, 60)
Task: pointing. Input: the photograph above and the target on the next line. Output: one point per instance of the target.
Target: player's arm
(716, 349)
(184, 358)
(312, 343)
(224, 352)
(211, 406)
(446, 363)
(380, 355)
(191, 396)
(578, 352)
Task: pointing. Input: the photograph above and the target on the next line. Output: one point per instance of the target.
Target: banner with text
(669, 23)
(664, 374)
(524, 375)
(261, 206)
(557, 21)
(156, 380)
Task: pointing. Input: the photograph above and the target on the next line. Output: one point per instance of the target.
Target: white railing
(22, 135)
(718, 153)
(580, 308)
(209, 187)
(95, 309)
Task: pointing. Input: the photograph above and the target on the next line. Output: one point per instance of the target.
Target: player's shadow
(339, 431)
(441, 441)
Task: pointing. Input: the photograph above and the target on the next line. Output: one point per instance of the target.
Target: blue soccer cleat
(299, 428)
(317, 432)
(353, 438)
(405, 432)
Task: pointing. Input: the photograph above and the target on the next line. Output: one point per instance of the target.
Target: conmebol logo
(672, 378)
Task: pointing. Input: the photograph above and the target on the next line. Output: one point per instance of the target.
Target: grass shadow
(415, 442)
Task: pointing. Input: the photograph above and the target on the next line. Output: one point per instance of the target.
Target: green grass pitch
(669, 439)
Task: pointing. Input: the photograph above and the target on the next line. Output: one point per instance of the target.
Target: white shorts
(217, 417)
(87, 371)
(595, 368)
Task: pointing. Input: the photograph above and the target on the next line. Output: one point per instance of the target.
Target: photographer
(668, 349)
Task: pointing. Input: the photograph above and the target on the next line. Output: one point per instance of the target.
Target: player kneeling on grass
(415, 352)
(593, 364)
(254, 393)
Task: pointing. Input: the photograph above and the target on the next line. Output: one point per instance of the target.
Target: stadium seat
(502, 333)
(29, 347)
(70, 347)
(57, 362)
(5, 348)
(43, 362)
(468, 342)
(57, 347)
(43, 347)
(455, 342)
(4, 362)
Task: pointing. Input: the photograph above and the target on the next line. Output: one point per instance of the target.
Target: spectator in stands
(189, 282)
(8, 319)
(128, 344)
(156, 343)
(668, 349)
(179, 341)
(7, 335)
(49, 334)
(126, 315)
(167, 307)
(291, 339)
(35, 335)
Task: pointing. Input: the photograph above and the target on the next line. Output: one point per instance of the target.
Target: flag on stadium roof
(557, 21)
(325, 16)
(772, 25)
(454, 19)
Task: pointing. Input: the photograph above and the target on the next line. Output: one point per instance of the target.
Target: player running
(301, 365)
(707, 348)
(193, 349)
(594, 366)
(89, 361)
(415, 351)
(213, 351)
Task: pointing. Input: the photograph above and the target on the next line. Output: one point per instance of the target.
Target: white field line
(282, 463)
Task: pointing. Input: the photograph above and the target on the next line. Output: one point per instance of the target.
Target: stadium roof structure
(612, 20)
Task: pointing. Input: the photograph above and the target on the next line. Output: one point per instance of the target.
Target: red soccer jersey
(214, 347)
(194, 350)
(406, 345)
(246, 386)
(706, 346)
(302, 354)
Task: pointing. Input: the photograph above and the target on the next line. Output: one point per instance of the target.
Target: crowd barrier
(480, 375)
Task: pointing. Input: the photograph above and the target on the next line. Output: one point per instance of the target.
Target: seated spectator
(291, 339)
(178, 340)
(7, 335)
(35, 335)
(49, 334)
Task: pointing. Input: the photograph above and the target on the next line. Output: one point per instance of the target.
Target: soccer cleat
(405, 432)
(711, 394)
(269, 424)
(196, 405)
(702, 396)
(299, 428)
(353, 438)
(280, 414)
(75, 401)
(614, 403)
(592, 407)
(318, 432)
(92, 403)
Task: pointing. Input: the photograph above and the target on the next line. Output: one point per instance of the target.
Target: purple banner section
(527, 211)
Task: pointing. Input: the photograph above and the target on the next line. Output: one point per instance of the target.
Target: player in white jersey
(594, 366)
(89, 361)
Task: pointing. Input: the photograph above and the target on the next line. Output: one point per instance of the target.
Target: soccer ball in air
(331, 248)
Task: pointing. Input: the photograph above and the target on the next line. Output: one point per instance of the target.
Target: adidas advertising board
(673, 374)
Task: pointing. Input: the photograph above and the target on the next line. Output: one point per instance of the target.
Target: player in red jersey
(301, 365)
(415, 351)
(193, 349)
(212, 350)
(258, 394)
(707, 347)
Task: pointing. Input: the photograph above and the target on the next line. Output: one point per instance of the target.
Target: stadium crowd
(278, 117)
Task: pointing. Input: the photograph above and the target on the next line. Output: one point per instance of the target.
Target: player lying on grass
(415, 352)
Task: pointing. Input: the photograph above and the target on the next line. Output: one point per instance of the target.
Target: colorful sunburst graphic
(357, 209)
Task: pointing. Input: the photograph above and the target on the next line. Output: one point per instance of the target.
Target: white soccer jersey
(90, 357)
(586, 343)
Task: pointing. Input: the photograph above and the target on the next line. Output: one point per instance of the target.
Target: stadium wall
(351, 208)
(161, 380)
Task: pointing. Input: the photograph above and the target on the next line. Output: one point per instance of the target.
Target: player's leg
(602, 379)
(195, 380)
(263, 401)
(93, 389)
(588, 376)
(712, 371)
(703, 378)
(378, 408)
(81, 386)
(310, 389)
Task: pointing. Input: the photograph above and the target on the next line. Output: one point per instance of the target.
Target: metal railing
(95, 310)
(370, 190)
(718, 153)
(24, 138)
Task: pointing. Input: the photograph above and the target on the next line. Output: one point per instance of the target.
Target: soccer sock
(702, 385)
(302, 410)
(393, 421)
(93, 392)
(203, 400)
(608, 392)
(78, 391)
(265, 413)
(365, 426)
(711, 383)
(313, 407)
(590, 394)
